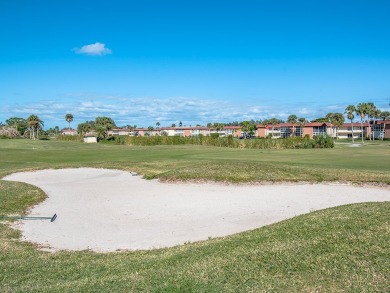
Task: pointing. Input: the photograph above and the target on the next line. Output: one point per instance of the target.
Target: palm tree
(157, 124)
(69, 118)
(34, 123)
(180, 124)
(292, 119)
(150, 129)
(218, 127)
(84, 128)
(349, 111)
(19, 123)
(103, 125)
(331, 119)
(384, 115)
(301, 122)
(361, 110)
(338, 120)
(247, 127)
(273, 122)
(371, 112)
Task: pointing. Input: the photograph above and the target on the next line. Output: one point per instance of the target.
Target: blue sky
(140, 62)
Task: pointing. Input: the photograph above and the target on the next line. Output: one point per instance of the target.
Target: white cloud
(97, 49)
(146, 111)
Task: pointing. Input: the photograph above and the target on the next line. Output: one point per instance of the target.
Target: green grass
(340, 249)
(365, 164)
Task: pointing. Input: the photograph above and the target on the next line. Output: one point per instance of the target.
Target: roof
(316, 124)
(69, 130)
(121, 129)
(185, 128)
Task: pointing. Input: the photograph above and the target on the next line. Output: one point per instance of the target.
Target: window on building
(285, 132)
(299, 131)
(319, 130)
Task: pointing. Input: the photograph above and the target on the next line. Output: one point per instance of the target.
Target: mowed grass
(370, 163)
(340, 249)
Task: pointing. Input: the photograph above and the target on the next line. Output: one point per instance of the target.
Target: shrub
(231, 142)
(78, 138)
(323, 142)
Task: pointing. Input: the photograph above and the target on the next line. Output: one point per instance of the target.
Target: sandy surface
(109, 210)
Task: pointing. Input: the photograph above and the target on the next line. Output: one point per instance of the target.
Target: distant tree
(372, 111)
(180, 124)
(8, 131)
(103, 125)
(84, 128)
(331, 119)
(293, 120)
(150, 129)
(301, 122)
(218, 126)
(130, 127)
(273, 122)
(173, 125)
(349, 111)
(338, 120)
(157, 124)
(322, 119)
(209, 125)
(19, 123)
(376, 115)
(69, 118)
(234, 123)
(35, 124)
(385, 115)
(361, 110)
(248, 127)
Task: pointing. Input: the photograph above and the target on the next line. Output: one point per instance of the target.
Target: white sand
(109, 210)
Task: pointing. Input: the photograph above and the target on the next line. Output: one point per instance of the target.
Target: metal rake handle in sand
(52, 218)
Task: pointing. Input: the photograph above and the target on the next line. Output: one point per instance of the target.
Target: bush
(78, 138)
(323, 142)
(231, 142)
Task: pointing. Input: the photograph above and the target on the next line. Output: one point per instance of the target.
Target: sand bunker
(109, 210)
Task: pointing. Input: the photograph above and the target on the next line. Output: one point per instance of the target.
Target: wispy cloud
(146, 111)
(97, 49)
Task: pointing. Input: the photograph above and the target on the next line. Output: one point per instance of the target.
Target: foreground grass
(345, 248)
(340, 249)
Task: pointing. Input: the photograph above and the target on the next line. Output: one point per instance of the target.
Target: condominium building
(67, 131)
(346, 130)
(376, 130)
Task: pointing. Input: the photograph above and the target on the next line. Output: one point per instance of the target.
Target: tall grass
(77, 138)
(230, 142)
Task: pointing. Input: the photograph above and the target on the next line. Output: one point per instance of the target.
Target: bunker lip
(108, 210)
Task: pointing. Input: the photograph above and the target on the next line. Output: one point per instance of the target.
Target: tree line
(32, 126)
